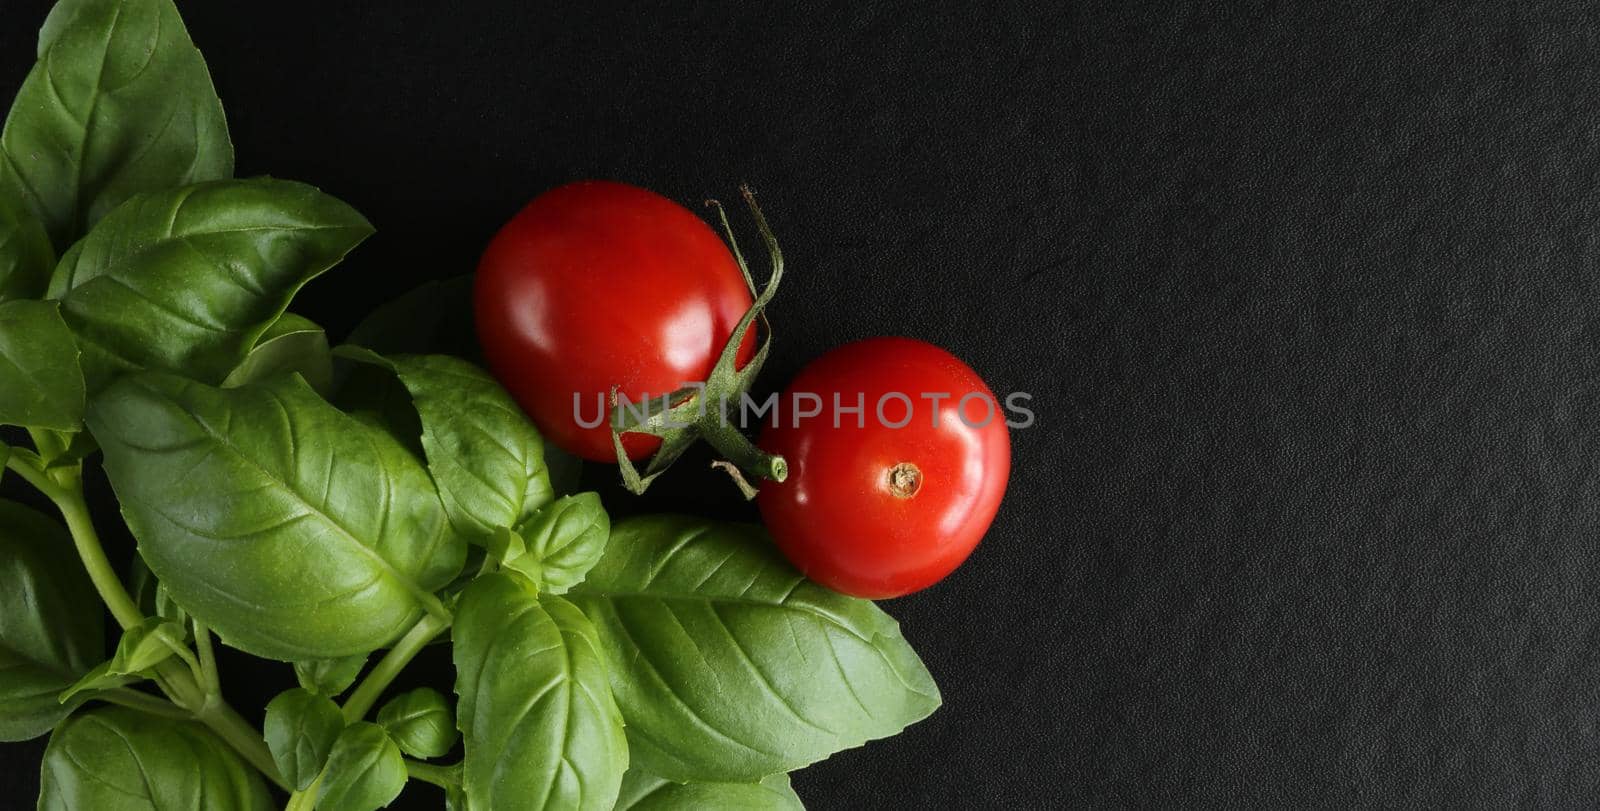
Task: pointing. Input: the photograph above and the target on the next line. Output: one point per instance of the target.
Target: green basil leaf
(540, 726)
(100, 678)
(292, 530)
(642, 791)
(40, 382)
(562, 542)
(329, 677)
(26, 257)
(141, 648)
(506, 546)
(114, 758)
(293, 344)
(51, 626)
(146, 645)
(120, 102)
(300, 729)
(783, 673)
(365, 771)
(421, 722)
(485, 454)
(187, 280)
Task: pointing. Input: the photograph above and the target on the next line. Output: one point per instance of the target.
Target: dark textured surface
(1307, 297)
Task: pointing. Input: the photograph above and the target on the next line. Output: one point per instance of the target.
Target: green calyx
(702, 411)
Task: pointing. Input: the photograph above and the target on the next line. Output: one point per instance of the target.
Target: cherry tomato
(874, 510)
(597, 285)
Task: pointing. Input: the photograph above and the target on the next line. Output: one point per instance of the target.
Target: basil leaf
(120, 102)
(540, 726)
(114, 758)
(783, 673)
(485, 454)
(40, 382)
(187, 280)
(146, 645)
(293, 344)
(100, 678)
(421, 722)
(642, 791)
(562, 542)
(141, 648)
(25, 254)
(365, 770)
(329, 677)
(51, 628)
(292, 530)
(300, 729)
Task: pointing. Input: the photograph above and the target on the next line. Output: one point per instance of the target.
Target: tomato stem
(702, 410)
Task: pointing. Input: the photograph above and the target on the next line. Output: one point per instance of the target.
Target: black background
(1306, 297)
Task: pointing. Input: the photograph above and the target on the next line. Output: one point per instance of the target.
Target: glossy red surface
(838, 517)
(596, 285)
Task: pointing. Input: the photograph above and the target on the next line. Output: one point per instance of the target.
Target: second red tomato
(888, 499)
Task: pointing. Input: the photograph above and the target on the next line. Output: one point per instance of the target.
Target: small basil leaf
(482, 450)
(293, 344)
(51, 628)
(119, 102)
(41, 385)
(300, 729)
(117, 758)
(784, 672)
(100, 678)
(539, 724)
(292, 530)
(365, 770)
(506, 546)
(26, 257)
(146, 645)
(187, 280)
(421, 722)
(642, 791)
(329, 677)
(563, 541)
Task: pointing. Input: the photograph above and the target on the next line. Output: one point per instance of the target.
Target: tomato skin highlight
(876, 511)
(596, 285)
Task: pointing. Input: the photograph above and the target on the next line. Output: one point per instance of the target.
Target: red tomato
(878, 511)
(600, 284)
